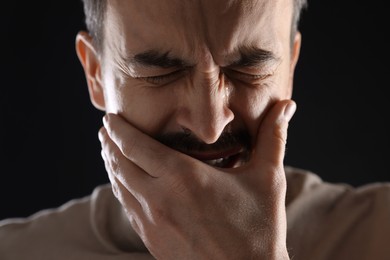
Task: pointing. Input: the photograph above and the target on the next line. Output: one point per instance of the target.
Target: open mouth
(231, 150)
(226, 159)
(225, 162)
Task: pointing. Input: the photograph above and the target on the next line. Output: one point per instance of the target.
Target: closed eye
(163, 79)
(245, 77)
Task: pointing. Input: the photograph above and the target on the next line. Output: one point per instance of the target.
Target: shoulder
(336, 220)
(306, 185)
(57, 232)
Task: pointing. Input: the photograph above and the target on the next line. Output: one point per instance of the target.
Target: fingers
(268, 160)
(272, 135)
(128, 181)
(150, 155)
(132, 207)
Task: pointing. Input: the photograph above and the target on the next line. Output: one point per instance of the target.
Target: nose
(205, 109)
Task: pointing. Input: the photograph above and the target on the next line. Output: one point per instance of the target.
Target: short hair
(299, 6)
(94, 11)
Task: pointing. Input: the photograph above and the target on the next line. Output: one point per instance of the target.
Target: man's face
(197, 75)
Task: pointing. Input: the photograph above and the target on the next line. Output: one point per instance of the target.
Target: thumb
(272, 134)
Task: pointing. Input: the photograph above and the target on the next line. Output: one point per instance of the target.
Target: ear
(89, 59)
(296, 47)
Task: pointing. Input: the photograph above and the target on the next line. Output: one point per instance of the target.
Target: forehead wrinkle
(207, 28)
(234, 23)
(140, 25)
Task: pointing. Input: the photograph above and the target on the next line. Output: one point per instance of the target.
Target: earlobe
(88, 57)
(296, 47)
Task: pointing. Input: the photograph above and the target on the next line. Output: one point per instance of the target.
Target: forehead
(187, 26)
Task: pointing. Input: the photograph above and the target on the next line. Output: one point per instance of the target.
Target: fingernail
(289, 110)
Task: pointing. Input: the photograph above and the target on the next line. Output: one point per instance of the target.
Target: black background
(49, 151)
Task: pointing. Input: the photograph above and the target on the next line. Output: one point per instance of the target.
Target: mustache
(188, 143)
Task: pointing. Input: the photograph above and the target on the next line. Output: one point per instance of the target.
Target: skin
(181, 207)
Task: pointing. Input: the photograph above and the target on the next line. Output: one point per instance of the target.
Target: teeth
(216, 162)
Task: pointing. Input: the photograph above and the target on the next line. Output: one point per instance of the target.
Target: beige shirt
(325, 221)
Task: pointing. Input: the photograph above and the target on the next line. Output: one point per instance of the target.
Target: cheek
(251, 104)
(248, 105)
(148, 109)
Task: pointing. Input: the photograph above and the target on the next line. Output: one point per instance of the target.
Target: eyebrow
(158, 59)
(253, 57)
(249, 57)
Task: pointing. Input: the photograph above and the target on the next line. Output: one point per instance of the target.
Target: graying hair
(95, 10)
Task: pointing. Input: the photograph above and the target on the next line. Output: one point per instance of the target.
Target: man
(197, 96)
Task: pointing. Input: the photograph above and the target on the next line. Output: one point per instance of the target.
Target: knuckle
(113, 162)
(178, 186)
(157, 212)
(115, 190)
(112, 158)
(159, 215)
(114, 166)
(280, 132)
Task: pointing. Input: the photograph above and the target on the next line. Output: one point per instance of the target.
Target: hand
(183, 208)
